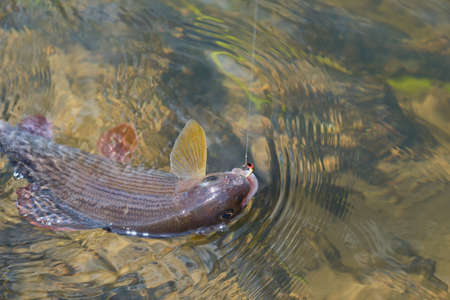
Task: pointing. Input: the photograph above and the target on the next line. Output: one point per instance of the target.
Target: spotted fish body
(72, 190)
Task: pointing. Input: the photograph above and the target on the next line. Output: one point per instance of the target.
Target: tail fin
(17, 144)
(5, 132)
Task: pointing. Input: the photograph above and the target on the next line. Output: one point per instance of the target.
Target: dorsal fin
(188, 157)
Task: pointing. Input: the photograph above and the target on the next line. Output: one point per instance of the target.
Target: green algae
(332, 64)
(446, 87)
(410, 85)
(32, 3)
(199, 14)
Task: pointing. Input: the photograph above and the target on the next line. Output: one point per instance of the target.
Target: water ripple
(330, 136)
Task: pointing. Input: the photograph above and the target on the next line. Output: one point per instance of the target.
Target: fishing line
(255, 16)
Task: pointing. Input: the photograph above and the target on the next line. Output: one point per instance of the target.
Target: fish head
(208, 199)
(247, 172)
(220, 197)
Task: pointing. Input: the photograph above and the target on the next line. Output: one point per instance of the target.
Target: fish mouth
(252, 180)
(253, 189)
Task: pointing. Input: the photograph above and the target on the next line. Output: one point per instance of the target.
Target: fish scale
(81, 190)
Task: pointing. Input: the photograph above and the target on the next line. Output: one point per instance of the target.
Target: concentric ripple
(335, 97)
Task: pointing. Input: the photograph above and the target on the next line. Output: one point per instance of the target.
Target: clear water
(348, 128)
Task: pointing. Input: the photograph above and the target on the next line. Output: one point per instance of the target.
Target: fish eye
(227, 214)
(210, 178)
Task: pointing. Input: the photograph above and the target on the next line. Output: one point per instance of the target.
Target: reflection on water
(348, 131)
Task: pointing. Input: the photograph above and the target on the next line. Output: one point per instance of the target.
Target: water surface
(346, 107)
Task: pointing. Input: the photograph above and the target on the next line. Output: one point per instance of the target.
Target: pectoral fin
(188, 157)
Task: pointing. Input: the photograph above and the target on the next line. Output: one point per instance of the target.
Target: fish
(118, 143)
(75, 190)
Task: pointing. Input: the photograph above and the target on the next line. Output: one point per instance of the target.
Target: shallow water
(347, 125)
